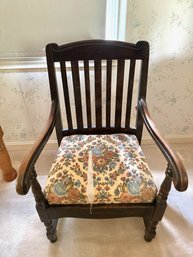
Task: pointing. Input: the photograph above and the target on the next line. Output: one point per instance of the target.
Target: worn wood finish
(98, 51)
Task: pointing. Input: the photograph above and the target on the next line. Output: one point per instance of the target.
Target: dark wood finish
(87, 88)
(66, 95)
(119, 93)
(98, 50)
(77, 93)
(102, 211)
(54, 89)
(108, 93)
(98, 93)
(179, 176)
(41, 206)
(130, 92)
(151, 223)
(99, 131)
(27, 167)
(142, 91)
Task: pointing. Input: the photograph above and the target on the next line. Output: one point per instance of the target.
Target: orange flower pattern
(119, 172)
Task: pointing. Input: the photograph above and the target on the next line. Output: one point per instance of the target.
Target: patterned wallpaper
(167, 25)
(24, 104)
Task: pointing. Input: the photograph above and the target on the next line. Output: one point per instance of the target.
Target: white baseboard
(27, 145)
(52, 144)
(170, 140)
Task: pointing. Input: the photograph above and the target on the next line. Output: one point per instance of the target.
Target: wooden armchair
(100, 170)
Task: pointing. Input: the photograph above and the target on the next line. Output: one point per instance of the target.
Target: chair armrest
(27, 166)
(179, 175)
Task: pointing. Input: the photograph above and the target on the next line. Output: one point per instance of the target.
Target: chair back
(97, 91)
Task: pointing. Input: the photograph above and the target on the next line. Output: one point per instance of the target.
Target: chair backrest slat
(99, 69)
(87, 89)
(77, 93)
(119, 92)
(130, 93)
(98, 92)
(66, 94)
(108, 93)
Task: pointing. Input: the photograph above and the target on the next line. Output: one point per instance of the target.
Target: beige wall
(27, 26)
(167, 25)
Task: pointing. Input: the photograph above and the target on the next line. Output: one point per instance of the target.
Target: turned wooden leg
(51, 230)
(41, 209)
(8, 172)
(150, 229)
(161, 204)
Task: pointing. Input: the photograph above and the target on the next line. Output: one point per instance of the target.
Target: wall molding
(25, 54)
(37, 64)
(23, 63)
(52, 144)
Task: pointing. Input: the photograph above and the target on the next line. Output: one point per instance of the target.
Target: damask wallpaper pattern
(167, 25)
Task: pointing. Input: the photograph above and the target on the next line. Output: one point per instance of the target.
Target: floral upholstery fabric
(92, 169)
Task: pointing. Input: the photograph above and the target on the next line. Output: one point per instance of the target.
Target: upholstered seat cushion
(91, 169)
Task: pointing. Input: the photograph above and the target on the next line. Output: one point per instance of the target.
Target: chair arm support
(179, 175)
(27, 166)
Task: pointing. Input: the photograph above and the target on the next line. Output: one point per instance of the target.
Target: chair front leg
(41, 203)
(51, 230)
(161, 204)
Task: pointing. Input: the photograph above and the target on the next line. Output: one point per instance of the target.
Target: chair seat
(100, 169)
